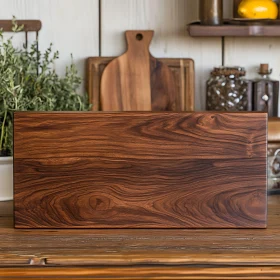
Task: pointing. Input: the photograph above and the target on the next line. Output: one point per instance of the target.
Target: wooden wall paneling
(251, 52)
(169, 19)
(71, 25)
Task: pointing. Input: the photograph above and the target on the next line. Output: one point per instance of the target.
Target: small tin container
(211, 12)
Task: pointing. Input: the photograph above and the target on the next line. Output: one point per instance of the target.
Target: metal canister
(211, 12)
(235, 8)
(266, 92)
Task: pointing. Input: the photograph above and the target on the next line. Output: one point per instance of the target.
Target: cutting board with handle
(136, 81)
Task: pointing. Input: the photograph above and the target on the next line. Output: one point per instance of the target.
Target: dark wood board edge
(155, 272)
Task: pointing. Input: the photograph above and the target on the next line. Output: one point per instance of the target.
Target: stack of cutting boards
(136, 81)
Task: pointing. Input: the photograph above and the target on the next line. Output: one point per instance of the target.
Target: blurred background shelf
(274, 130)
(236, 28)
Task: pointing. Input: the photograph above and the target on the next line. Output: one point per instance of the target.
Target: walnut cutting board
(140, 170)
(124, 83)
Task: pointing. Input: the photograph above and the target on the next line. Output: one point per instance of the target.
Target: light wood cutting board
(137, 81)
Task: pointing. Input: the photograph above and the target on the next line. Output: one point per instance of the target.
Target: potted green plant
(29, 82)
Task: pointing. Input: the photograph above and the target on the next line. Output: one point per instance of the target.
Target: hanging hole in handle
(139, 37)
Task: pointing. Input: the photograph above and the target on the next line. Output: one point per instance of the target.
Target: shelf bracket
(223, 51)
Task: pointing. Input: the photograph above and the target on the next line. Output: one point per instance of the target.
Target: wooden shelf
(235, 30)
(28, 25)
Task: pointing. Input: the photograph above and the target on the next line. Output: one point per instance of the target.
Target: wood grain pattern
(182, 69)
(140, 254)
(140, 170)
(146, 135)
(274, 130)
(136, 80)
(122, 273)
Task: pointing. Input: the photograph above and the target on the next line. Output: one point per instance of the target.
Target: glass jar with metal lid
(226, 90)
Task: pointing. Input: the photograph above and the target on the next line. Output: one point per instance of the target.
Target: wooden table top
(174, 254)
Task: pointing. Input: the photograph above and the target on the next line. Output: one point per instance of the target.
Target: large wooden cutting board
(167, 84)
(140, 170)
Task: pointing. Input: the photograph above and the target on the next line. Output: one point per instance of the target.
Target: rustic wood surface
(136, 81)
(140, 254)
(140, 170)
(182, 69)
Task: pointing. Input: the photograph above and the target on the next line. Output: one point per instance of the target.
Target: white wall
(73, 27)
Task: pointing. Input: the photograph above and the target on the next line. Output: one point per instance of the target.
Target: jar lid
(264, 69)
(229, 71)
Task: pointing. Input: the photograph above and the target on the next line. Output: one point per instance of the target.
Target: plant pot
(6, 178)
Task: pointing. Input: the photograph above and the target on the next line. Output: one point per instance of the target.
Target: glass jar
(274, 169)
(227, 91)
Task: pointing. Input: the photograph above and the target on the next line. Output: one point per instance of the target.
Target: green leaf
(29, 82)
